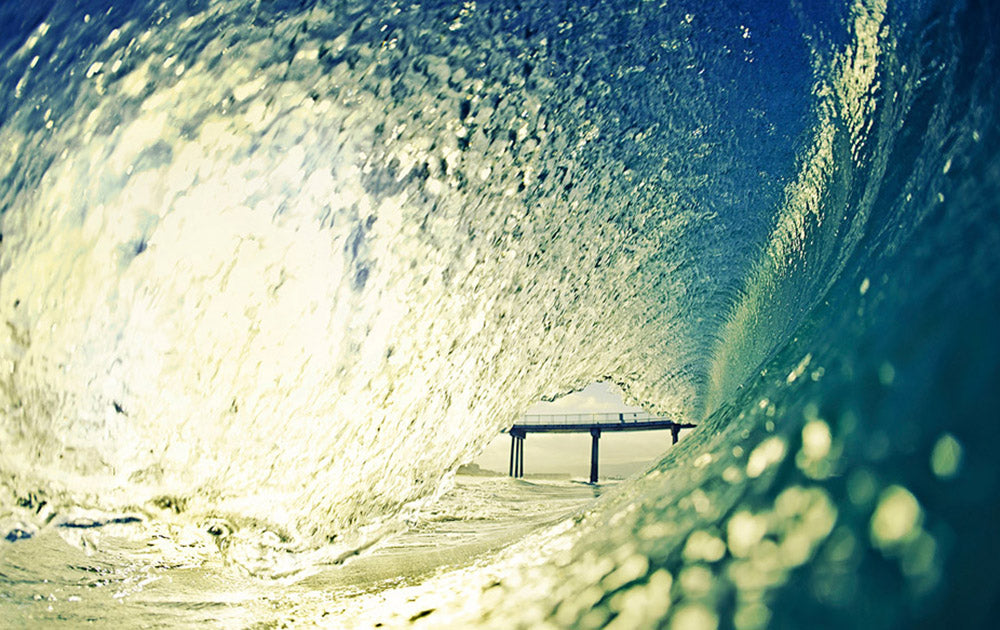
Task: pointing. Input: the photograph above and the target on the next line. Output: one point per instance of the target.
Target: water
(475, 520)
(270, 272)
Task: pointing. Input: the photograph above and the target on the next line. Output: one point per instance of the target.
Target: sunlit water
(269, 272)
(50, 580)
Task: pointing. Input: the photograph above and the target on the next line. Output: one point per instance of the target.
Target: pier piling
(595, 436)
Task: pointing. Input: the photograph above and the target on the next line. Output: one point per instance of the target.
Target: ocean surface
(271, 271)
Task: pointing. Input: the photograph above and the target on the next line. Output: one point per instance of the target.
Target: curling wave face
(292, 266)
(270, 272)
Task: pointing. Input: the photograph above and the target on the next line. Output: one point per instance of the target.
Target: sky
(620, 453)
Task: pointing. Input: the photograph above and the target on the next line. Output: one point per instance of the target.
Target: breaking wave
(272, 271)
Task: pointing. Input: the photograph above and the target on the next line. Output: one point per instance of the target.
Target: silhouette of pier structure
(593, 423)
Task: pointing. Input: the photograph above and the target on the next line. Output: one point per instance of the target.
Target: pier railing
(588, 418)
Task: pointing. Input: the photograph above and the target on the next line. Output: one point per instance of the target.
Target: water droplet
(886, 374)
(702, 545)
(743, 532)
(769, 452)
(897, 517)
(816, 439)
(946, 458)
(799, 369)
(694, 617)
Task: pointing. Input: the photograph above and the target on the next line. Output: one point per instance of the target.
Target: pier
(593, 423)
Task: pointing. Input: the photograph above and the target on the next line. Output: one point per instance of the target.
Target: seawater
(50, 581)
(269, 272)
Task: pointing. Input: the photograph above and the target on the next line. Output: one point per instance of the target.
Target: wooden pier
(593, 423)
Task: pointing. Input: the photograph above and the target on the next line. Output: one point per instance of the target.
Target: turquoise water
(270, 272)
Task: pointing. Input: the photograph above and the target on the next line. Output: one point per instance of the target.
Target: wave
(272, 272)
(349, 243)
(821, 220)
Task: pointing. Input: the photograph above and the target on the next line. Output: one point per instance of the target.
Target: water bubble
(702, 545)
(702, 504)
(769, 452)
(897, 517)
(654, 531)
(695, 580)
(946, 458)
(632, 569)
(920, 556)
(732, 475)
(886, 374)
(751, 616)
(799, 369)
(816, 440)
(640, 604)
(861, 487)
(842, 546)
(743, 532)
(694, 617)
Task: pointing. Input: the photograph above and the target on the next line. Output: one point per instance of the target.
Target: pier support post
(513, 447)
(595, 436)
(516, 467)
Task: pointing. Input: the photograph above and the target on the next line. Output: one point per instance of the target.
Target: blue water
(270, 272)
